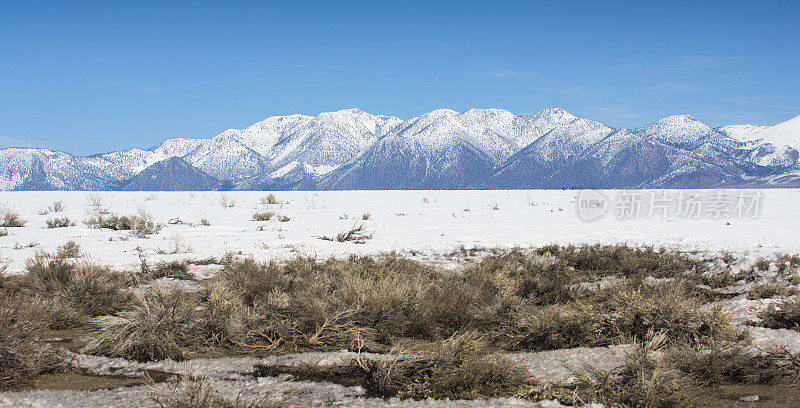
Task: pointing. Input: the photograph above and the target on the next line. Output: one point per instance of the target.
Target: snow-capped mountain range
(442, 149)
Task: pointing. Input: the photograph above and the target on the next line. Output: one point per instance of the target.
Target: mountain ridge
(441, 149)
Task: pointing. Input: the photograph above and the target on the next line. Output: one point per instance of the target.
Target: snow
(783, 134)
(229, 374)
(428, 224)
(786, 133)
(298, 393)
(741, 132)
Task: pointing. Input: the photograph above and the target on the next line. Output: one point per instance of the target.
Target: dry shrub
(94, 199)
(158, 325)
(785, 315)
(516, 276)
(770, 290)
(624, 260)
(269, 199)
(70, 292)
(521, 301)
(140, 224)
(263, 216)
(784, 264)
(330, 304)
(194, 392)
(172, 269)
(357, 235)
(735, 365)
(253, 280)
(226, 320)
(59, 222)
(637, 308)
(70, 249)
(642, 382)
(57, 206)
(22, 353)
(460, 367)
(227, 202)
(9, 217)
(555, 327)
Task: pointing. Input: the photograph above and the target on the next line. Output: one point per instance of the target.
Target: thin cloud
(508, 73)
(683, 62)
(270, 64)
(707, 61)
(670, 87)
(156, 89)
(583, 90)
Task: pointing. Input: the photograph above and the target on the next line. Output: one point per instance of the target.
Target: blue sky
(88, 77)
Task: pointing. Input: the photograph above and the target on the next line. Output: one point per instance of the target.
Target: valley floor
(422, 224)
(449, 230)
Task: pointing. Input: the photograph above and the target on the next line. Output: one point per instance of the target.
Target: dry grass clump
(357, 235)
(771, 290)
(10, 218)
(642, 382)
(263, 216)
(59, 222)
(659, 375)
(619, 313)
(94, 199)
(520, 301)
(635, 309)
(269, 199)
(70, 249)
(516, 276)
(624, 260)
(69, 292)
(57, 206)
(461, 367)
(158, 325)
(330, 304)
(227, 202)
(785, 315)
(515, 300)
(554, 327)
(735, 365)
(172, 269)
(22, 353)
(194, 392)
(140, 225)
(783, 264)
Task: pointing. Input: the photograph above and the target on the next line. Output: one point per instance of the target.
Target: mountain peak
(682, 131)
(555, 114)
(352, 111)
(678, 120)
(438, 113)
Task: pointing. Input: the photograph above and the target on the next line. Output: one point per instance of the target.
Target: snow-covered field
(425, 224)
